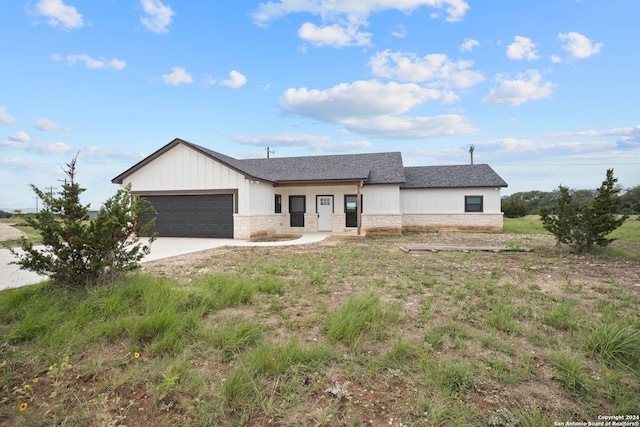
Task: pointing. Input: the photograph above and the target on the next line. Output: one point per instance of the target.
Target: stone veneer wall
(246, 227)
(310, 224)
(458, 221)
(382, 223)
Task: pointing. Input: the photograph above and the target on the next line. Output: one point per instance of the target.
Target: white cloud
(511, 144)
(624, 137)
(400, 32)
(17, 163)
(5, 118)
(371, 108)
(20, 136)
(282, 140)
(515, 145)
(342, 147)
(157, 16)
(60, 14)
(54, 147)
(469, 44)
(522, 48)
(12, 144)
(40, 148)
(236, 80)
(177, 76)
(93, 154)
(353, 10)
(528, 87)
(90, 153)
(435, 68)
(343, 19)
(114, 64)
(315, 142)
(333, 35)
(46, 125)
(390, 127)
(579, 46)
(209, 81)
(361, 99)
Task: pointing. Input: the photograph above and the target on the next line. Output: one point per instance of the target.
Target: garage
(202, 215)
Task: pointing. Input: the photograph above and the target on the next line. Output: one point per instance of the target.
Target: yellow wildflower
(35, 380)
(23, 406)
(136, 355)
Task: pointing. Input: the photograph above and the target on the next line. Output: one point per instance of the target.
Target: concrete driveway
(165, 247)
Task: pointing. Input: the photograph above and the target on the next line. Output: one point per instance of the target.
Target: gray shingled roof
(452, 176)
(372, 168)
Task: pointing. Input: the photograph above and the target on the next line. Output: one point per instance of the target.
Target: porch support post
(359, 208)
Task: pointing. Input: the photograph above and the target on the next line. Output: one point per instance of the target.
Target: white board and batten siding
(381, 199)
(184, 169)
(447, 200)
(260, 199)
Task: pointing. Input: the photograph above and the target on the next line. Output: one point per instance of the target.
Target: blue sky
(547, 91)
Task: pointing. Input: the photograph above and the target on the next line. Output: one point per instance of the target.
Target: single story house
(198, 192)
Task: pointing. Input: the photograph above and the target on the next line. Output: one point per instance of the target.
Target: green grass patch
(629, 232)
(270, 284)
(270, 371)
(570, 372)
(531, 224)
(360, 314)
(228, 290)
(614, 343)
(146, 311)
(503, 316)
(562, 315)
(235, 335)
(456, 378)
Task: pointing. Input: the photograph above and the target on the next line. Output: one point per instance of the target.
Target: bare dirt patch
(10, 232)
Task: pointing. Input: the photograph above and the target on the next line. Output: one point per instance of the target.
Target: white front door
(325, 213)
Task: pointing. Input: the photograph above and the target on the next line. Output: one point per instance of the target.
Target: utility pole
(471, 148)
(50, 191)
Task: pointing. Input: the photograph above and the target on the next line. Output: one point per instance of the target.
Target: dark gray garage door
(209, 215)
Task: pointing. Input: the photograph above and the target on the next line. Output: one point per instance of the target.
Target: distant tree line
(524, 203)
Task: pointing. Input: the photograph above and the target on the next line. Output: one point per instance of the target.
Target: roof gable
(480, 175)
(373, 168)
(226, 160)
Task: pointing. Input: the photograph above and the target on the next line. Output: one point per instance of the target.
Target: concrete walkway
(166, 247)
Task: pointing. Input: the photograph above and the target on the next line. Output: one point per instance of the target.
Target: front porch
(251, 227)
